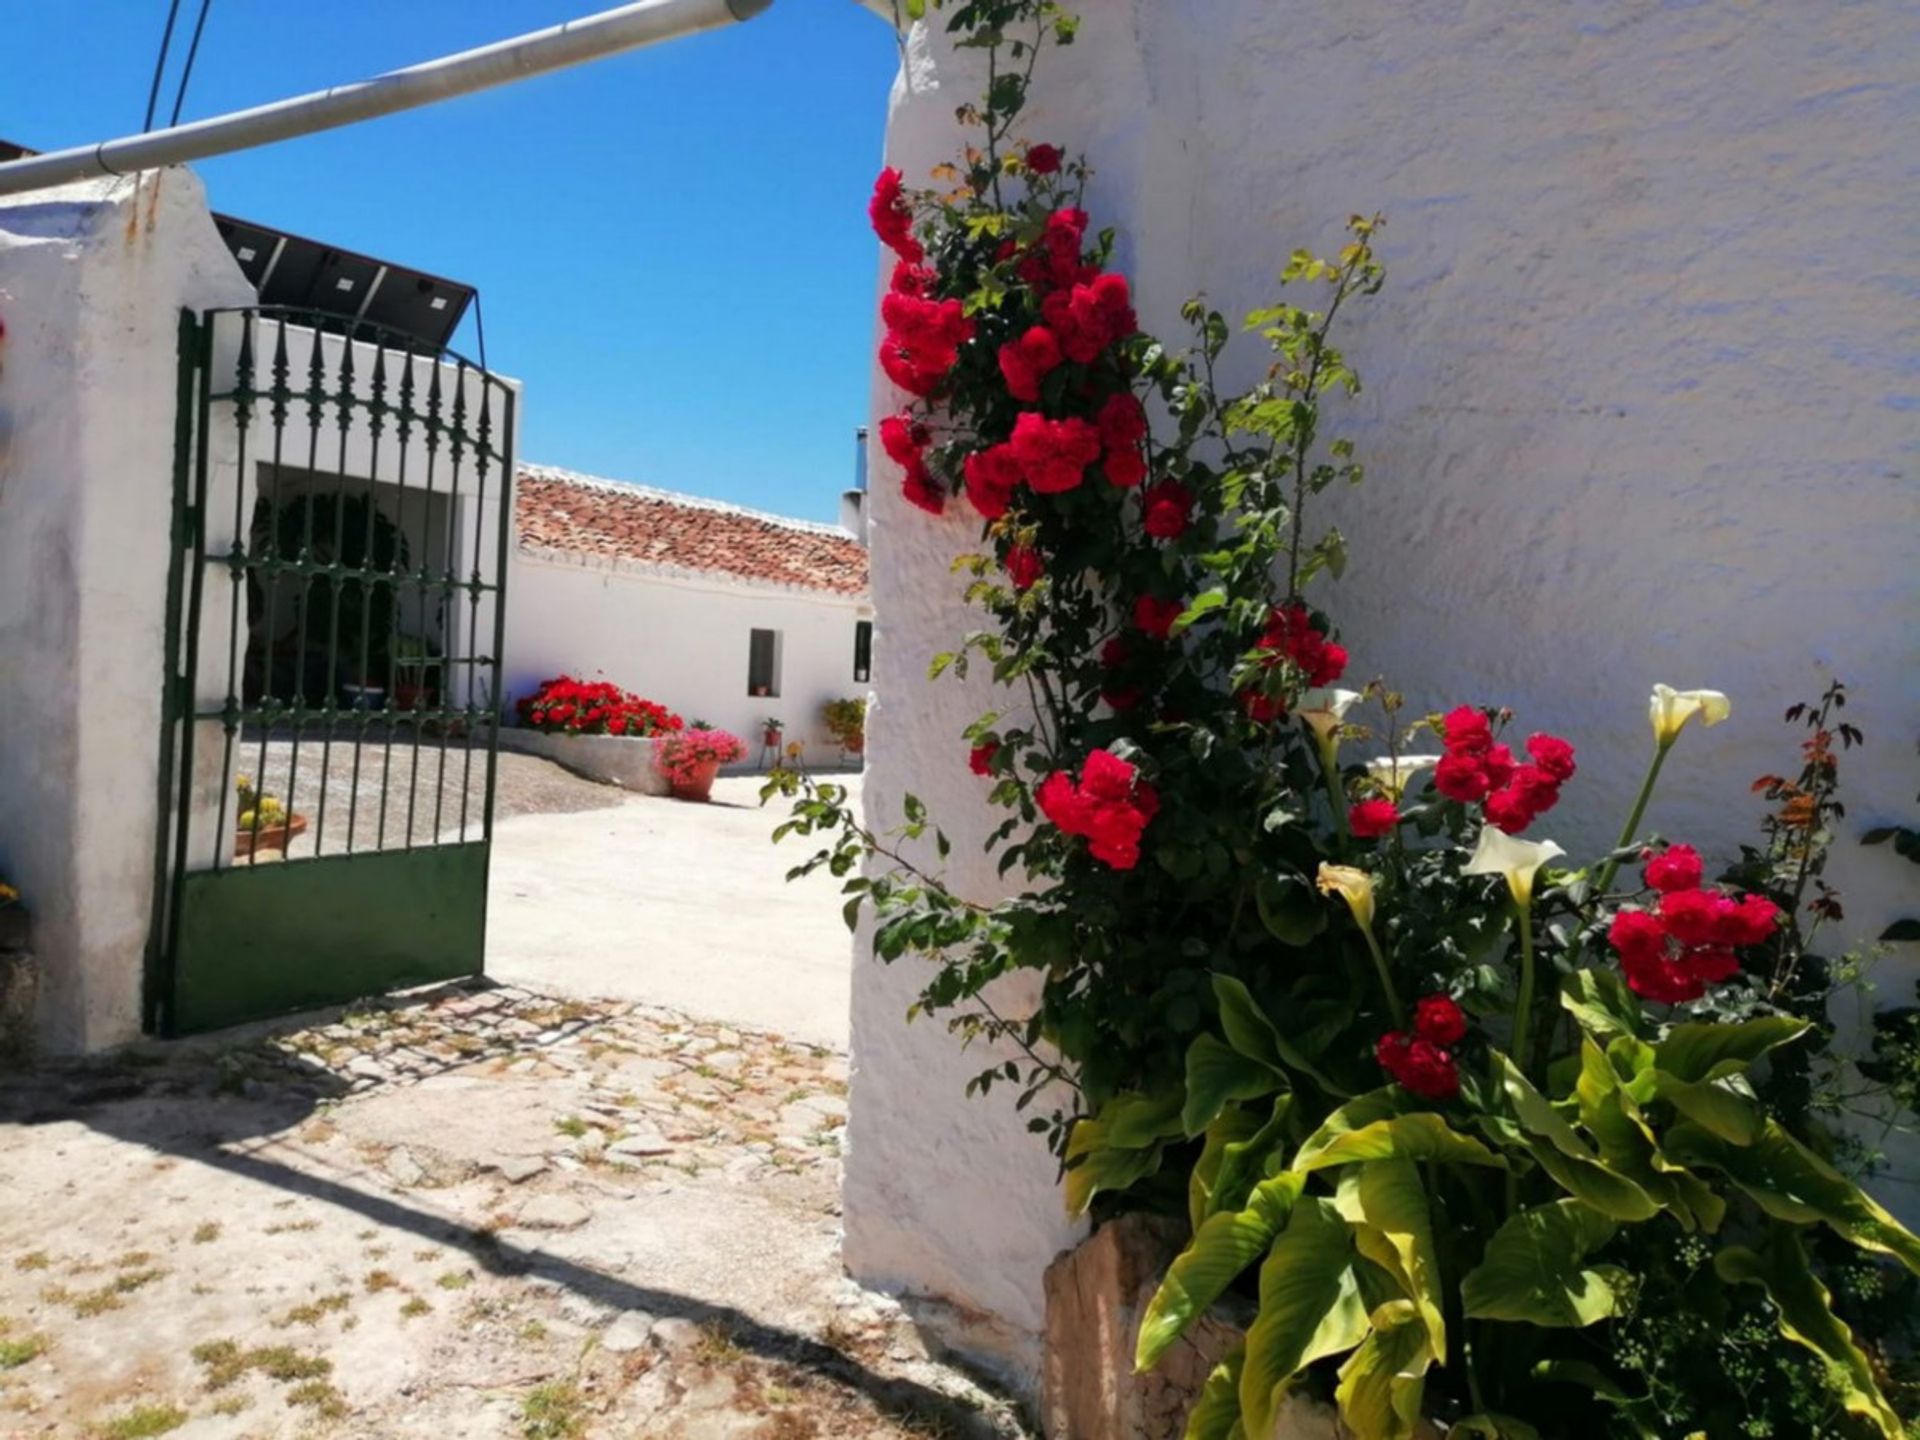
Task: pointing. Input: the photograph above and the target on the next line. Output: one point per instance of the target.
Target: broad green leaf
(1242, 1161)
(1535, 1113)
(1790, 1182)
(1234, 1126)
(1725, 1106)
(1807, 1318)
(1589, 1377)
(1221, 1248)
(1627, 1145)
(1393, 1227)
(1602, 1004)
(1420, 1136)
(1290, 908)
(1356, 1114)
(1613, 1195)
(1135, 1121)
(1250, 1032)
(1534, 1269)
(1382, 1383)
(1692, 1051)
(1216, 1414)
(1309, 1308)
(1217, 1074)
(1095, 1163)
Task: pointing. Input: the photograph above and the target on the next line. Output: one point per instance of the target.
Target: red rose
(923, 340)
(991, 477)
(1262, 708)
(1122, 421)
(1091, 316)
(980, 760)
(1439, 1019)
(1124, 469)
(1553, 755)
(1498, 763)
(1043, 159)
(1110, 807)
(1711, 964)
(911, 279)
(1291, 634)
(903, 438)
(1637, 935)
(1468, 731)
(1055, 263)
(1027, 361)
(1167, 509)
(1418, 1066)
(1692, 916)
(1024, 566)
(1754, 920)
(1677, 867)
(1122, 698)
(1370, 819)
(1461, 777)
(1114, 653)
(1657, 978)
(1154, 616)
(1059, 800)
(1508, 810)
(891, 217)
(1054, 454)
(921, 489)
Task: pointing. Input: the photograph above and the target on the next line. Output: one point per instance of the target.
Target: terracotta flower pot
(700, 785)
(268, 837)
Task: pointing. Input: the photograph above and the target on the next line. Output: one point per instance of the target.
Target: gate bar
(592, 37)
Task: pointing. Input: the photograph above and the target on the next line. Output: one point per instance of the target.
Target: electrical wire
(193, 50)
(160, 65)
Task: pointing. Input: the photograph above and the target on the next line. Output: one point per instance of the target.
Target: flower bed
(566, 706)
(1521, 1145)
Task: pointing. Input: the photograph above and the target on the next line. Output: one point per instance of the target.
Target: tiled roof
(583, 515)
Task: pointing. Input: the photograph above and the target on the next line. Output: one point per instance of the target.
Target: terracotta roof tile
(557, 510)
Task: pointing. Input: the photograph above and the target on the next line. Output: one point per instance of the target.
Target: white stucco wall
(682, 640)
(92, 278)
(1642, 401)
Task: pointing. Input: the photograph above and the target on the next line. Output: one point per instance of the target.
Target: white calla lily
(1353, 886)
(1393, 772)
(1325, 709)
(1498, 853)
(1671, 709)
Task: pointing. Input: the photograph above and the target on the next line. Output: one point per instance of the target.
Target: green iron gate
(335, 612)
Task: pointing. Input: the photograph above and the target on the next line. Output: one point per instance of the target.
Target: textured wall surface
(92, 278)
(1643, 397)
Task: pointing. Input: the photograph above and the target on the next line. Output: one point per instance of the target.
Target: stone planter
(1096, 1295)
(611, 759)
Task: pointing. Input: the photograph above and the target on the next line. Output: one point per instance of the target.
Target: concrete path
(673, 904)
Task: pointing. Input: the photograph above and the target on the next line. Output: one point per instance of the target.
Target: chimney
(853, 503)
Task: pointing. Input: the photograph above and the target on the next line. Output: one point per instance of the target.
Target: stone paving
(478, 1212)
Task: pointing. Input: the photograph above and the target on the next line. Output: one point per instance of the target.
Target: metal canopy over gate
(335, 611)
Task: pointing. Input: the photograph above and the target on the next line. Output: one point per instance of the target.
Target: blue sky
(670, 246)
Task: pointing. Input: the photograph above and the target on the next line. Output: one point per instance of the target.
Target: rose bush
(1464, 1208)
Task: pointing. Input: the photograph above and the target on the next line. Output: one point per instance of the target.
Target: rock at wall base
(1096, 1295)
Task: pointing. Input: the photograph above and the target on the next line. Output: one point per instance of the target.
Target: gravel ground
(527, 785)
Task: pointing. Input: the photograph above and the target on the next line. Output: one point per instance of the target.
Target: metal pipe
(628, 27)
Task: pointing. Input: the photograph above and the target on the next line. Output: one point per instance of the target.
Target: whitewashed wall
(1642, 405)
(682, 640)
(92, 278)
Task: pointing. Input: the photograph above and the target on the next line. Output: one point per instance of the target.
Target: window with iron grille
(763, 663)
(863, 650)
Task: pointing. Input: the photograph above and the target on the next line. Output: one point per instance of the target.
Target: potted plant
(413, 660)
(846, 721)
(770, 731)
(264, 822)
(691, 758)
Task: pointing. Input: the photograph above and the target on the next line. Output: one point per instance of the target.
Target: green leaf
(1135, 1121)
(1694, 1051)
(1250, 1032)
(1393, 1227)
(1095, 1163)
(1204, 602)
(1217, 1074)
(1421, 1136)
(1601, 1002)
(1725, 1106)
(1627, 1145)
(1494, 1427)
(1572, 1163)
(1382, 1383)
(1289, 908)
(1806, 1317)
(1579, 1372)
(1234, 1126)
(1309, 1307)
(1791, 1183)
(1901, 930)
(1533, 1270)
(1221, 1248)
(1217, 1412)
(1242, 1161)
